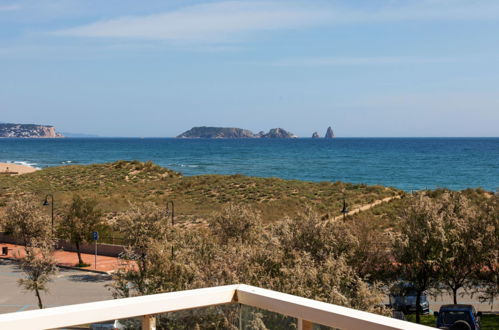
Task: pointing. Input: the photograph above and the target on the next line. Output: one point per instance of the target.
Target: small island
(204, 132)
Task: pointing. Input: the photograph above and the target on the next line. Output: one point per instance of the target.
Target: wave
(24, 163)
(184, 165)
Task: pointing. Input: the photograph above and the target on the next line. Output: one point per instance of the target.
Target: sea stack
(329, 133)
(315, 135)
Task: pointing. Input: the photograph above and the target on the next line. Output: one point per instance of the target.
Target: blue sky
(157, 68)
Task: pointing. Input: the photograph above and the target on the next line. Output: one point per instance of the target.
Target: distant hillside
(79, 135)
(217, 133)
(28, 131)
(204, 132)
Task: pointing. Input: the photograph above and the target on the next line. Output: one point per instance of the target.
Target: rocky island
(329, 133)
(28, 131)
(204, 132)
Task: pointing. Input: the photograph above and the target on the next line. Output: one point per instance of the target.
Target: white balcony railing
(307, 311)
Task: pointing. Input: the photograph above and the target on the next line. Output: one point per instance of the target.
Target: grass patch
(487, 322)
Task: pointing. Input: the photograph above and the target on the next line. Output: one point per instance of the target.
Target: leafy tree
(318, 262)
(145, 230)
(419, 246)
(38, 267)
(24, 219)
(463, 252)
(488, 276)
(277, 258)
(371, 248)
(80, 219)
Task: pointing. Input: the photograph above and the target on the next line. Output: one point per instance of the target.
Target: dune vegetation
(116, 185)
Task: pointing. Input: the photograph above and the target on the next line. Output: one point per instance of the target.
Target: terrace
(295, 311)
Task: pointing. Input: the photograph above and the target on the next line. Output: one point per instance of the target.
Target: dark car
(403, 298)
(458, 317)
(407, 303)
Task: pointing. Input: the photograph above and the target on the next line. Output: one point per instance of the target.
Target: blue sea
(404, 163)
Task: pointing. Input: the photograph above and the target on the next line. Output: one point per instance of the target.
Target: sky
(155, 68)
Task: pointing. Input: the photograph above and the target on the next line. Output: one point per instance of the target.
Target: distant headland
(204, 132)
(28, 131)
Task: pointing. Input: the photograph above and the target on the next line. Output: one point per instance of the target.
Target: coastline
(16, 169)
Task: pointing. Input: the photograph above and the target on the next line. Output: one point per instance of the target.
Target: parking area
(69, 287)
(436, 302)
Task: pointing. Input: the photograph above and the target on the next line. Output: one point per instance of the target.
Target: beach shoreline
(16, 169)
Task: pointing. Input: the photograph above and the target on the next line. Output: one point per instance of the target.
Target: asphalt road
(69, 287)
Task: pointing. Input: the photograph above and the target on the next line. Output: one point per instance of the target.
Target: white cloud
(222, 21)
(356, 61)
(208, 22)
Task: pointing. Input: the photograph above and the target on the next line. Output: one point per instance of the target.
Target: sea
(404, 163)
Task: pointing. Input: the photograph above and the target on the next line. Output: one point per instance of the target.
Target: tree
(463, 249)
(80, 219)
(38, 267)
(145, 231)
(488, 276)
(317, 261)
(25, 220)
(299, 256)
(419, 246)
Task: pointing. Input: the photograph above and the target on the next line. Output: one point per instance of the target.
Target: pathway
(367, 206)
(68, 259)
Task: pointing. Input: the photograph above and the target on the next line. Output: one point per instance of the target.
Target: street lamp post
(46, 203)
(172, 213)
(344, 210)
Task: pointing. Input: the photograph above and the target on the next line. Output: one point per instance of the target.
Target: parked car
(458, 317)
(403, 298)
(407, 303)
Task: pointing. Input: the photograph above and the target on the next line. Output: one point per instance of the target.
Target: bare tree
(38, 267)
(80, 219)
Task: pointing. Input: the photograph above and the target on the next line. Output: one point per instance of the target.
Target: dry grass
(116, 184)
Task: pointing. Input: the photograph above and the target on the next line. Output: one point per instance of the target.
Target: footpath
(66, 259)
(367, 206)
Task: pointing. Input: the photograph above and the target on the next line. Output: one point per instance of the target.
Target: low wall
(109, 250)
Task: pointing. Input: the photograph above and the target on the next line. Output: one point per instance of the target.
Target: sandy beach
(15, 169)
